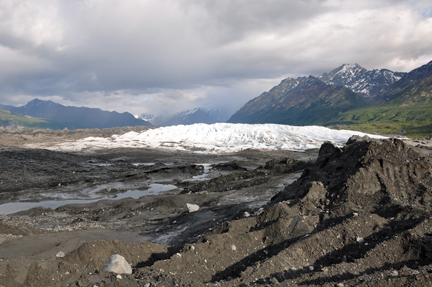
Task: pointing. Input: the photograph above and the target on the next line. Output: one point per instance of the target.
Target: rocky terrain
(352, 216)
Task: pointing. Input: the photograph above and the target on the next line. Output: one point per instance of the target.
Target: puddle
(13, 207)
(111, 163)
(207, 167)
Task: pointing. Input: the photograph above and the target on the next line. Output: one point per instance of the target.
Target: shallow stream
(154, 189)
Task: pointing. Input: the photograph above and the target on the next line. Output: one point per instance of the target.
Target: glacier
(217, 138)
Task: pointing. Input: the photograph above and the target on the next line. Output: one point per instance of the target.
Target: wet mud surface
(352, 216)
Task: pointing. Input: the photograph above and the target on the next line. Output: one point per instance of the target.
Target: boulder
(117, 264)
(192, 207)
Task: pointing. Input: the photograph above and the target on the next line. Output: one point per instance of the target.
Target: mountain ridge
(408, 79)
(75, 117)
(301, 101)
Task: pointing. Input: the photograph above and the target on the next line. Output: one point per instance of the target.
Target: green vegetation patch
(8, 119)
(414, 121)
(403, 129)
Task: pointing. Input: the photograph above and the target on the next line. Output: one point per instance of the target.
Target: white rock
(360, 240)
(60, 254)
(117, 264)
(192, 207)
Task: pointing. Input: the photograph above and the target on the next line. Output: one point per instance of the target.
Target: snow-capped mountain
(301, 101)
(334, 99)
(316, 100)
(366, 83)
(194, 116)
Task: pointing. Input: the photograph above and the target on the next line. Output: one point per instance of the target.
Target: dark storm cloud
(228, 21)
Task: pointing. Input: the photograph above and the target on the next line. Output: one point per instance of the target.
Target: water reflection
(13, 207)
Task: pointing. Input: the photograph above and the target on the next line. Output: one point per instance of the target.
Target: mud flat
(352, 216)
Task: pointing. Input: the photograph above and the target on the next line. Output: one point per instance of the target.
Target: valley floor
(250, 230)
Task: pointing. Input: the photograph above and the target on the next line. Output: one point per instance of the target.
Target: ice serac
(301, 101)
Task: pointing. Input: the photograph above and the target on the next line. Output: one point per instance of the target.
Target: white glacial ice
(219, 138)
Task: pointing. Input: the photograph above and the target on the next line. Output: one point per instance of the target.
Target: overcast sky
(154, 56)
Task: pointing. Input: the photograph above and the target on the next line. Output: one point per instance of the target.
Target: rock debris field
(357, 215)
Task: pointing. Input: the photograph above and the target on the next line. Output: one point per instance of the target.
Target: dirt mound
(228, 166)
(366, 175)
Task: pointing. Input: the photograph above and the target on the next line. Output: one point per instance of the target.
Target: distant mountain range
(47, 114)
(349, 95)
(60, 116)
(194, 116)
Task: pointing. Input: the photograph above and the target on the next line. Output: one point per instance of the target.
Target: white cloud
(30, 25)
(150, 56)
